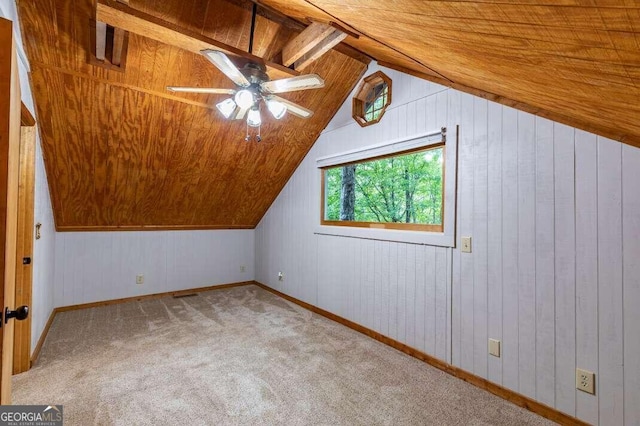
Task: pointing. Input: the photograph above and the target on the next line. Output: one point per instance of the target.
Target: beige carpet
(240, 356)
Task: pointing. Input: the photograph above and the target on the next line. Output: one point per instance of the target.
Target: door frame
(24, 244)
(10, 118)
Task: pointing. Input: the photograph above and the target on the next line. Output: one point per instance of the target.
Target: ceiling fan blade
(209, 90)
(241, 113)
(224, 64)
(293, 108)
(301, 82)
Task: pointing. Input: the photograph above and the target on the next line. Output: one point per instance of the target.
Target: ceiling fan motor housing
(255, 73)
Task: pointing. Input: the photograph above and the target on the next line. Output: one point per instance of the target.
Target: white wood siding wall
(96, 266)
(43, 253)
(554, 213)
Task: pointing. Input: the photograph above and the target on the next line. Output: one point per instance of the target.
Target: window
(399, 191)
(372, 99)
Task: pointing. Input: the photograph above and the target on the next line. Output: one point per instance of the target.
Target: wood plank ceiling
(121, 152)
(574, 61)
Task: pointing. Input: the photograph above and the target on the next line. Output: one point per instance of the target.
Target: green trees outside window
(400, 189)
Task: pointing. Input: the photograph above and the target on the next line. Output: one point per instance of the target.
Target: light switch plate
(466, 245)
(494, 347)
(585, 381)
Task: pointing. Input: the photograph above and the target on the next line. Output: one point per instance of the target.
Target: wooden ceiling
(574, 61)
(123, 153)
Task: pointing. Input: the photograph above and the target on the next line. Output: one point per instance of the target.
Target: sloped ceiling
(574, 61)
(123, 153)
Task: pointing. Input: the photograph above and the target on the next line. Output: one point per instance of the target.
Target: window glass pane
(405, 188)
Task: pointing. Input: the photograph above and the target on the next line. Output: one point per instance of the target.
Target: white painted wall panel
(42, 288)
(610, 331)
(631, 284)
(494, 235)
(565, 267)
(586, 249)
(545, 264)
(554, 213)
(96, 266)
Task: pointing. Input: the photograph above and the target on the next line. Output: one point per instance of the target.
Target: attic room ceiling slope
(122, 152)
(573, 61)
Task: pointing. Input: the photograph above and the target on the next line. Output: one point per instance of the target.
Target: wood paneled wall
(98, 266)
(554, 213)
(124, 153)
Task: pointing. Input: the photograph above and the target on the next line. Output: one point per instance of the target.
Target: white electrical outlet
(466, 245)
(280, 276)
(494, 347)
(585, 381)
(242, 268)
(140, 279)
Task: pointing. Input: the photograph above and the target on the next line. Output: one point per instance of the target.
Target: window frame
(386, 225)
(360, 98)
(440, 239)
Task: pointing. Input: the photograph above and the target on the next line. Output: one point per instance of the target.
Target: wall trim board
(56, 311)
(43, 337)
(116, 228)
(502, 392)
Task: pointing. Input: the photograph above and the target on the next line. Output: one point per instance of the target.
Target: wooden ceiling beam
(121, 16)
(118, 45)
(26, 118)
(101, 40)
(316, 40)
(290, 23)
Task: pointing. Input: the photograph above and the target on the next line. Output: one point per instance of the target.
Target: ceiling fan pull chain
(248, 137)
(258, 137)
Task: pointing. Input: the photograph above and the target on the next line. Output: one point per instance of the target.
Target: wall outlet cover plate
(465, 245)
(585, 381)
(494, 347)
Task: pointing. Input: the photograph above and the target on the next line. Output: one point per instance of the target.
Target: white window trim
(422, 140)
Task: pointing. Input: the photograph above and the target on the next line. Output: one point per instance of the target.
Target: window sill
(411, 237)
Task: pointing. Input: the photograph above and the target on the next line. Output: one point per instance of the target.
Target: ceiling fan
(253, 88)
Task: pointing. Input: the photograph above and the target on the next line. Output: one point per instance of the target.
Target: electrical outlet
(466, 245)
(242, 268)
(494, 347)
(140, 279)
(585, 381)
(280, 276)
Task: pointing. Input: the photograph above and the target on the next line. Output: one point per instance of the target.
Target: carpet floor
(240, 356)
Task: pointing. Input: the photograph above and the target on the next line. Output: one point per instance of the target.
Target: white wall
(43, 249)
(554, 213)
(97, 266)
(43, 253)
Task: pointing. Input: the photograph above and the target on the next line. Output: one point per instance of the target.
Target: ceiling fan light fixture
(253, 118)
(244, 98)
(226, 107)
(277, 109)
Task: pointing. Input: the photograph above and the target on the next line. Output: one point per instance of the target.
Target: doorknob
(20, 314)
